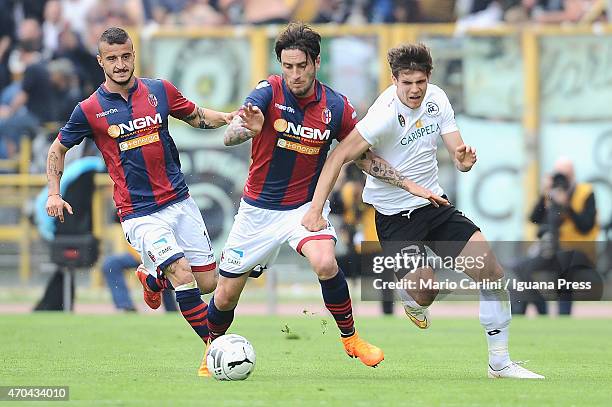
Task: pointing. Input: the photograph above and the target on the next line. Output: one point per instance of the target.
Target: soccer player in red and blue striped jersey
(127, 118)
(292, 120)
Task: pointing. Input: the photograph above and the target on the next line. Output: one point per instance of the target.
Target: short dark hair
(412, 57)
(113, 35)
(299, 36)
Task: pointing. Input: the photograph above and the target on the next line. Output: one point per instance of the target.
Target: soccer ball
(230, 357)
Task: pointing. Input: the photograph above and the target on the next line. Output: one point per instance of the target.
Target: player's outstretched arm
(352, 147)
(463, 156)
(55, 168)
(244, 126)
(379, 168)
(204, 118)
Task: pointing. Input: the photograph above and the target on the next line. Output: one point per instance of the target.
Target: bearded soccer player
(403, 126)
(292, 120)
(127, 118)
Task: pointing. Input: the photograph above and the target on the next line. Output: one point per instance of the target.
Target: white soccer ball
(230, 357)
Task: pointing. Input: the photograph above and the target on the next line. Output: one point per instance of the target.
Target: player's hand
(227, 117)
(252, 117)
(56, 205)
(465, 157)
(314, 221)
(417, 190)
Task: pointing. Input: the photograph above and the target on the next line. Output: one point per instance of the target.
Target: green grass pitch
(126, 360)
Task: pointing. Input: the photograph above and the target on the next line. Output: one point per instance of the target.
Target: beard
(300, 93)
(124, 82)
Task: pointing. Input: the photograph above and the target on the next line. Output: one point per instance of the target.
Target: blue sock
(218, 321)
(338, 301)
(194, 310)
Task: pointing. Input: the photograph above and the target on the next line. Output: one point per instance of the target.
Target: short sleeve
(374, 125)
(178, 105)
(349, 119)
(75, 129)
(261, 96)
(448, 124)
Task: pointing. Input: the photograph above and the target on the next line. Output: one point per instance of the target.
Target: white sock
(499, 357)
(495, 317)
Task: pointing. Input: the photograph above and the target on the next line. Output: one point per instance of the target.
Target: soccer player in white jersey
(402, 127)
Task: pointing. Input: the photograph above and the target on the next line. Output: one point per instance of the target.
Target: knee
(325, 267)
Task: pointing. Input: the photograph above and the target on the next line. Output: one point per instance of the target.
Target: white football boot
(418, 316)
(513, 371)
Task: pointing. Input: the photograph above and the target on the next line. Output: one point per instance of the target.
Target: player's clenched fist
(313, 221)
(55, 207)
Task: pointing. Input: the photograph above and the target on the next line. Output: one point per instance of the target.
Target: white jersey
(407, 139)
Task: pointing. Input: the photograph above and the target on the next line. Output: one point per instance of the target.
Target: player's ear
(318, 62)
(99, 58)
(394, 79)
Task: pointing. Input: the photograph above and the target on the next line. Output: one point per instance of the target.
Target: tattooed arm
(245, 125)
(204, 118)
(379, 168)
(55, 168)
(355, 147)
(236, 133)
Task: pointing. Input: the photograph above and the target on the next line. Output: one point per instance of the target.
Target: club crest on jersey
(326, 116)
(431, 109)
(401, 120)
(152, 100)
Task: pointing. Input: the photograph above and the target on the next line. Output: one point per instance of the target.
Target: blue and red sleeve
(349, 119)
(178, 105)
(75, 129)
(261, 96)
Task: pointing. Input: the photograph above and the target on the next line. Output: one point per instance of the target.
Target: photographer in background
(567, 219)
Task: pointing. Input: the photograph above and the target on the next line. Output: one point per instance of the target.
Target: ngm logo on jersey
(141, 123)
(283, 126)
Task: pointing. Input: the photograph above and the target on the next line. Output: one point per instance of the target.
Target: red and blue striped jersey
(133, 136)
(289, 153)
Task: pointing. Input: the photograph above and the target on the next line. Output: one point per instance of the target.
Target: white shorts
(174, 232)
(257, 235)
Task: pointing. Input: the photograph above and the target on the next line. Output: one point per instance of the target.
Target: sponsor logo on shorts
(233, 256)
(158, 243)
(138, 142)
(164, 251)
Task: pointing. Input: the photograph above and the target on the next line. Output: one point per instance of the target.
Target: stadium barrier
(516, 90)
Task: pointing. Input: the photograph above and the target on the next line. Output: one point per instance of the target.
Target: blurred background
(530, 82)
